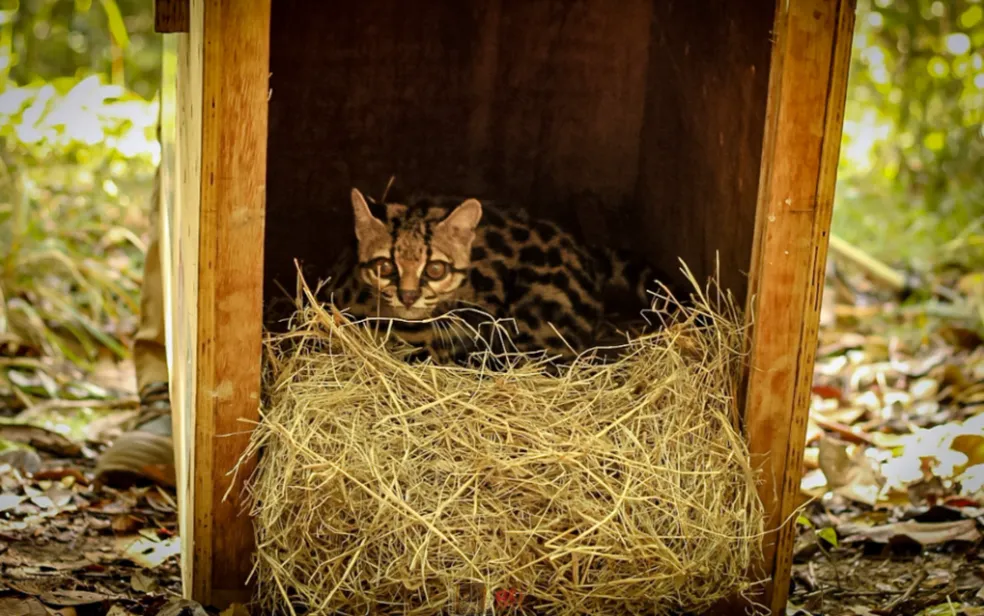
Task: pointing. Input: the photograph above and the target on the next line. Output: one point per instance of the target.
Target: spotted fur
(427, 258)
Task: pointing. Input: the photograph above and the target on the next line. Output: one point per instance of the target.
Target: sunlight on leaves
(828, 534)
(958, 43)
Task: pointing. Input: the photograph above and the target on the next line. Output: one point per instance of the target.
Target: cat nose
(408, 297)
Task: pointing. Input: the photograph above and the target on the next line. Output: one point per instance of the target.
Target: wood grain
(181, 130)
(172, 16)
(216, 104)
(807, 91)
(701, 144)
(236, 37)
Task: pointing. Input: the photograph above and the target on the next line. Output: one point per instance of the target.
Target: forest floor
(893, 490)
(894, 467)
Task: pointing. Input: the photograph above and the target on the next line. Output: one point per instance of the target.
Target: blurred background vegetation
(911, 179)
(79, 82)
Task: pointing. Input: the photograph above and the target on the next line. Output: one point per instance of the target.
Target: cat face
(417, 257)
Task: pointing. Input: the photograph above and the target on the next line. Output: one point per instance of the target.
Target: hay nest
(389, 487)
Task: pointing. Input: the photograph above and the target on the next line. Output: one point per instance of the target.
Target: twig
(847, 433)
(919, 579)
(875, 269)
(63, 405)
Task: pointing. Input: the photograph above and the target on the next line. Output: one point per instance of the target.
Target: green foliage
(828, 534)
(77, 156)
(72, 165)
(50, 39)
(911, 179)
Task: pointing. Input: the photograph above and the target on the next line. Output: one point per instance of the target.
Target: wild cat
(424, 258)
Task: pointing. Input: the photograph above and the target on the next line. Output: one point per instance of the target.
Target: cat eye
(383, 267)
(436, 270)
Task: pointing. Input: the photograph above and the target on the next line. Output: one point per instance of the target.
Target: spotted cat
(429, 256)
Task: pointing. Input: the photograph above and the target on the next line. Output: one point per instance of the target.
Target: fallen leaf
(59, 496)
(27, 462)
(828, 392)
(125, 524)
(141, 582)
(923, 533)
(925, 388)
(147, 553)
(11, 606)
(40, 438)
(852, 476)
(961, 337)
(161, 501)
(63, 598)
(9, 501)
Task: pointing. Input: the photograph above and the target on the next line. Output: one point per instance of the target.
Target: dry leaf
(41, 439)
(147, 553)
(61, 598)
(125, 524)
(24, 460)
(182, 607)
(851, 476)
(9, 501)
(142, 582)
(923, 533)
(11, 606)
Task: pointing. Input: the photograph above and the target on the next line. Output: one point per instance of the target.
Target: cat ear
(365, 222)
(463, 220)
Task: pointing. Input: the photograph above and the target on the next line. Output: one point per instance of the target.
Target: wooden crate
(685, 128)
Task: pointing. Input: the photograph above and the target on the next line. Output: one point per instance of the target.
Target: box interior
(636, 123)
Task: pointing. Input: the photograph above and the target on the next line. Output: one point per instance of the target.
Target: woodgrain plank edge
(779, 491)
(826, 184)
(232, 218)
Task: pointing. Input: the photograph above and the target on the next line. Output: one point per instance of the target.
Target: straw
(390, 487)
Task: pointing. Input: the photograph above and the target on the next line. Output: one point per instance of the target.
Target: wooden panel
(215, 281)
(236, 39)
(705, 113)
(171, 16)
(181, 124)
(807, 90)
(539, 102)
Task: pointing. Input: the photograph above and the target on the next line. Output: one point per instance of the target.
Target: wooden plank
(172, 16)
(214, 132)
(181, 139)
(807, 91)
(235, 40)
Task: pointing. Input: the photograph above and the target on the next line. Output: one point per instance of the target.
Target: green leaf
(971, 17)
(934, 141)
(804, 521)
(829, 535)
(117, 28)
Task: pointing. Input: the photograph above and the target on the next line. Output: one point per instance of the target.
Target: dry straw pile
(387, 487)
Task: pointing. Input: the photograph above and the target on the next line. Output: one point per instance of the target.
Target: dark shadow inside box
(634, 124)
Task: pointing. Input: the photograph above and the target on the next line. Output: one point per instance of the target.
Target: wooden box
(679, 128)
